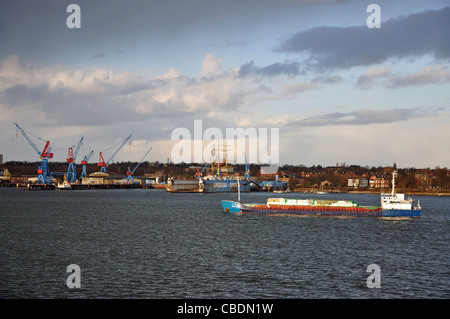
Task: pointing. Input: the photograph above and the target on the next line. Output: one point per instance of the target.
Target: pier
(44, 187)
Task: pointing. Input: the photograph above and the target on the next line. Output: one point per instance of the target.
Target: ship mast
(394, 174)
(239, 190)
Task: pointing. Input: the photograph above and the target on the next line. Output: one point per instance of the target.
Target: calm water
(153, 244)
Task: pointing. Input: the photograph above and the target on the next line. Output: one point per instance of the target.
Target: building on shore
(358, 182)
(375, 182)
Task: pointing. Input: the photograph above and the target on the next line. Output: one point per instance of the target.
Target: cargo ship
(217, 185)
(184, 186)
(392, 205)
(206, 185)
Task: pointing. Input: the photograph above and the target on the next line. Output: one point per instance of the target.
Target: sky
(336, 90)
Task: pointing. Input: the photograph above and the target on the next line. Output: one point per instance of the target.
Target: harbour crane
(102, 162)
(247, 174)
(84, 163)
(200, 174)
(44, 175)
(71, 175)
(130, 173)
(246, 169)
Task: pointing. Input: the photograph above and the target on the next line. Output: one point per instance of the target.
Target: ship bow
(231, 206)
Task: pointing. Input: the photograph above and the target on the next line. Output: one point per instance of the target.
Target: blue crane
(71, 175)
(44, 175)
(247, 174)
(199, 174)
(84, 163)
(130, 173)
(247, 168)
(102, 162)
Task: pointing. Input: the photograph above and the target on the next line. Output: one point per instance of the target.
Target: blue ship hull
(218, 186)
(401, 213)
(237, 207)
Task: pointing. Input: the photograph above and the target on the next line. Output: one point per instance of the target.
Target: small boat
(321, 192)
(392, 205)
(64, 185)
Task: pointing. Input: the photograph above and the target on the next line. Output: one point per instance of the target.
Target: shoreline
(162, 187)
(406, 193)
(374, 192)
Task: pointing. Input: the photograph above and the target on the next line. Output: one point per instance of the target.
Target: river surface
(145, 243)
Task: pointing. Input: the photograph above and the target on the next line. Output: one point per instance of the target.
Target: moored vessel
(218, 178)
(184, 186)
(218, 185)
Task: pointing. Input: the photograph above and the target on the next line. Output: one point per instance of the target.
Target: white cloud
(54, 78)
(211, 65)
(437, 74)
(106, 106)
(371, 75)
(211, 89)
(169, 75)
(427, 75)
(291, 90)
(107, 96)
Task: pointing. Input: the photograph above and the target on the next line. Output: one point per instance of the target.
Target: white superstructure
(396, 201)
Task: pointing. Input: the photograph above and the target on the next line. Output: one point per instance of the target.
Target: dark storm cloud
(37, 30)
(344, 47)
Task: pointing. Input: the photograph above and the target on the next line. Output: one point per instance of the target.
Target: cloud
(68, 97)
(437, 74)
(290, 68)
(293, 89)
(328, 79)
(370, 75)
(363, 117)
(210, 65)
(40, 32)
(100, 96)
(428, 75)
(345, 47)
(190, 95)
(55, 78)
